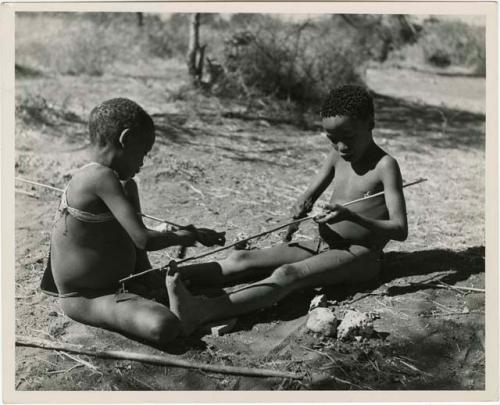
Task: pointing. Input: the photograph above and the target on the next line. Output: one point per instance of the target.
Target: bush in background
(445, 44)
(76, 43)
(456, 42)
(298, 62)
(167, 39)
(259, 54)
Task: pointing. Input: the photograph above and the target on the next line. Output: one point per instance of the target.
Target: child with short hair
(99, 237)
(350, 239)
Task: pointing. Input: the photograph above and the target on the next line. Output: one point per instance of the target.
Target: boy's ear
(124, 137)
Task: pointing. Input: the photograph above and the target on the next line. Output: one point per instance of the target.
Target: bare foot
(184, 305)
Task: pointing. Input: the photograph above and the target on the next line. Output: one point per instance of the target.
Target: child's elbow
(141, 241)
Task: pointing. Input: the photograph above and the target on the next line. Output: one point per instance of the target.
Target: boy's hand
(299, 210)
(209, 237)
(163, 227)
(188, 234)
(290, 231)
(333, 214)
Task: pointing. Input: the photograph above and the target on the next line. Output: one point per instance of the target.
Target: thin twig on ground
(457, 287)
(451, 314)
(29, 194)
(317, 351)
(42, 332)
(66, 370)
(443, 306)
(412, 367)
(78, 360)
(142, 383)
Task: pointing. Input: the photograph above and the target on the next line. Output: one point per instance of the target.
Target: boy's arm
(132, 192)
(306, 201)
(319, 184)
(110, 190)
(396, 227)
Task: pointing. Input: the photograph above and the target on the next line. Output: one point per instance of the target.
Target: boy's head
(121, 126)
(109, 119)
(348, 118)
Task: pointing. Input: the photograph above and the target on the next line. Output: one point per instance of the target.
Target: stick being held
(302, 209)
(277, 228)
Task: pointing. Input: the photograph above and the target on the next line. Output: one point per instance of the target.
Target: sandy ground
(242, 176)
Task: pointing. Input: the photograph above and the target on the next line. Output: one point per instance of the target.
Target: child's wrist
(352, 216)
(187, 237)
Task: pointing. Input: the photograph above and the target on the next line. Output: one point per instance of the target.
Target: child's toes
(172, 268)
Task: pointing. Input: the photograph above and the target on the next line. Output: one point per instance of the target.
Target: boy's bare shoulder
(98, 177)
(388, 166)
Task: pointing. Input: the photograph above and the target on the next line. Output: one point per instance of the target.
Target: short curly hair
(349, 100)
(111, 117)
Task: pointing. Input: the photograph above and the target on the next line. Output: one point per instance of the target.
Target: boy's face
(133, 153)
(349, 136)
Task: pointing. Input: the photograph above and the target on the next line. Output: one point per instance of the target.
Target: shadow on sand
(458, 265)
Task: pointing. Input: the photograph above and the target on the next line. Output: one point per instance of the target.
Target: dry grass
(261, 169)
(242, 176)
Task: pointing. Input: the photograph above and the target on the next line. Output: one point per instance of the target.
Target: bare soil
(242, 175)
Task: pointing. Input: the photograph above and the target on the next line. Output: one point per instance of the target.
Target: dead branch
(450, 314)
(164, 360)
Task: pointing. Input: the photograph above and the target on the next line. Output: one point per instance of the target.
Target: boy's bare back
(90, 256)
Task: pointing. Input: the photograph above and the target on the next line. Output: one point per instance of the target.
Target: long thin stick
(458, 287)
(60, 190)
(277, 228)
(161, 220)
(164, 360)
(39, 184)
(381, 192)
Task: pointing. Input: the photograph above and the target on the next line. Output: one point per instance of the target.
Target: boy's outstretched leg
(336, 266)
(243, 265)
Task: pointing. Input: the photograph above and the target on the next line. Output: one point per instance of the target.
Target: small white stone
(318, 301)
(322, 320)
(355, 324)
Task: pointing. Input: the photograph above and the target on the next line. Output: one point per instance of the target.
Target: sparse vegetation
(445, 44)
(235, 158)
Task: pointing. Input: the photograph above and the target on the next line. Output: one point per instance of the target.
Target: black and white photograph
(250, 201)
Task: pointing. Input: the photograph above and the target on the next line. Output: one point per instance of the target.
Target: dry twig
(457, 287)
(150, 359)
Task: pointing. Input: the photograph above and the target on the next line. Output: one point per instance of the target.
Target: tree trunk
(195, 53)
(140, 19)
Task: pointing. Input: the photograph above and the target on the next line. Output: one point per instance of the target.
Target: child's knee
(240, 259)
(162, 328)
(239, 255)
(73, 308)
(287, 274)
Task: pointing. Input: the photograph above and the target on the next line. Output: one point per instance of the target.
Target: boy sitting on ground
(350, 241)
(99, 237)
